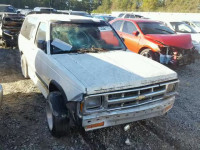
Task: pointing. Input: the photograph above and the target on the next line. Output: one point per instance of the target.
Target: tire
(24, 67)
(58, 119)
(148, 53)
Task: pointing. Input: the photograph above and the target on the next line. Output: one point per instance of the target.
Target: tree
(149, 5)
(105, 7)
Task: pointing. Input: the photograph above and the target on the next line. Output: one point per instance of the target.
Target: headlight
(171, 87)
(93, 102)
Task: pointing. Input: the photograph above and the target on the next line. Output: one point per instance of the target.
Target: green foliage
(154, 5)
(106, 6)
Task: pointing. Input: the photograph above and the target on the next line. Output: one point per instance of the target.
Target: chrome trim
(123, 91)
(177, 81)
(131, 98)
(116, 117)
(135, 97)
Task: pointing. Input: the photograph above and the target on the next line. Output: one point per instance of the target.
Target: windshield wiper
(98, 49)
(90, 50)
(83, 50)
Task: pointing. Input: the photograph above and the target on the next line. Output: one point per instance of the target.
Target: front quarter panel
(145, 43)
(72, 87)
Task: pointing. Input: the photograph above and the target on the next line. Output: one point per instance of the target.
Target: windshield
(182, 27)
(79, 13)
(47, 10)
(154, 28)
(83, 37)
(7, 9)
(197, 23)
(108, 18)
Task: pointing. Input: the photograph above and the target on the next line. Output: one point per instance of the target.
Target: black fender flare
(58, 86)
(71, 106)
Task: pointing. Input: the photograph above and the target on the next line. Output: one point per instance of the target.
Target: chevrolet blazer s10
(88, 76)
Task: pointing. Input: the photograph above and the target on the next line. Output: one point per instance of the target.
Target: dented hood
(115, 70)
(177, 40)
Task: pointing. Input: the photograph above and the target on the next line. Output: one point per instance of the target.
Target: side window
(28, 28)
(117, 25)
(129, 27)
(120, 15)
(127, 16)
(40, 39)
(132, 16)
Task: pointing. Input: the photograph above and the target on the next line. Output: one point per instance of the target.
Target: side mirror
(41, 44)
(136, 33)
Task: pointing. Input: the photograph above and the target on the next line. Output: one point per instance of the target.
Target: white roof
(60, 17)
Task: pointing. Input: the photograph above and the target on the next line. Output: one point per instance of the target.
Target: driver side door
(130, 40)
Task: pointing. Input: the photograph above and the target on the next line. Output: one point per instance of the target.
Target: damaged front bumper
(11, 25)
(177, 57)
(111, 118)
(9, 38)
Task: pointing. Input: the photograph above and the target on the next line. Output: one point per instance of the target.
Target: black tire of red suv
(57, 115)
(148, 53)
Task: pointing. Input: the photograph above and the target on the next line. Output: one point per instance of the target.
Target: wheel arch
(143, 48)
(55, 86)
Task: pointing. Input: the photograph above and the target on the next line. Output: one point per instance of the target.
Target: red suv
(156, 41)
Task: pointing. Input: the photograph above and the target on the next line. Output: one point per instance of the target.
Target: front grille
(129, 98)
(135, 97)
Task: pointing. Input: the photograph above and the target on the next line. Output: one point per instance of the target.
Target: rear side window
(127, 16)
(28, 27)
(120, 15)
(117, 25)
(129, 27)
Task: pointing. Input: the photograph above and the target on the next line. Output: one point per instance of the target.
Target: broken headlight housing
(171, 87)
(94, 102)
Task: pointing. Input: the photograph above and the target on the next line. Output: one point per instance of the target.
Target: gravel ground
(23, 123)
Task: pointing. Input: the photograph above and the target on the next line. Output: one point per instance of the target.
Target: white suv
(88, 76)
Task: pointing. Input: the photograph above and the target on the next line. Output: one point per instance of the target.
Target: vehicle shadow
(10, 70)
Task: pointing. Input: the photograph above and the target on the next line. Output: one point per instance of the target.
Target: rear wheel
(24, 67)
(57, 115)
(148, 53)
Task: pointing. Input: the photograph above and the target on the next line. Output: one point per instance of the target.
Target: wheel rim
(146, 54)
(22, 66)
(49, 114)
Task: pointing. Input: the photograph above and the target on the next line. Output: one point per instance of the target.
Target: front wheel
(57, 115)
(148, 53)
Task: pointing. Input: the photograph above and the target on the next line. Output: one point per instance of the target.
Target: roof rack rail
(43, 12)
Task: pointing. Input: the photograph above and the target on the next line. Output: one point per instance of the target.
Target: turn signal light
(95, 125)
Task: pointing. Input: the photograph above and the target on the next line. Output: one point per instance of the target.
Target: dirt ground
(23, 123)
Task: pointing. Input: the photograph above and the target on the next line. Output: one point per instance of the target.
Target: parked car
(106, 18)
(88, 76)
(194, 24)
(1, 94)
(10, 25)
(154, 40)
(44, 9)
(77, 13)
(182, 28)
(24, 11)
(130, 15)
